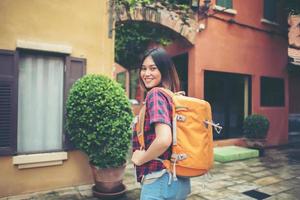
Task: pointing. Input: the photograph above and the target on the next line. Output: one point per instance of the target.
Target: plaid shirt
(158, 110)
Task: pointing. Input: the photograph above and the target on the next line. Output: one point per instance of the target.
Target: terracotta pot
(253, 142)
(258, 144)
(108, 180)
(108, 196)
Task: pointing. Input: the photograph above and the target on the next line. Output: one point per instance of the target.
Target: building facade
(45, 46)
(238, 62)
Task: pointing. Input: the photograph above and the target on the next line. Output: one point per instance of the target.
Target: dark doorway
(229, 99)
(181, 63)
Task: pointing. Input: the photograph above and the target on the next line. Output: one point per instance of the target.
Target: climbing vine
(132, 38)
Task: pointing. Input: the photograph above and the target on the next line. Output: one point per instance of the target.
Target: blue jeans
(159, 189)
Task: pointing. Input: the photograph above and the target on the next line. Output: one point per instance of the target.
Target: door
(181, 63)
(228, 95)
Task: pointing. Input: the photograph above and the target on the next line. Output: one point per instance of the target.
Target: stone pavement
(277, 175)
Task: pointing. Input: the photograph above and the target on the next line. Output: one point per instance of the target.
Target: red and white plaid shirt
(158, 110)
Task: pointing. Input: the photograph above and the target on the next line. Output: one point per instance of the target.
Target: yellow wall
(14, 181)
(80, 24)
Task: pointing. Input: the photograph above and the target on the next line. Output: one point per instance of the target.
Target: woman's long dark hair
(169, 76)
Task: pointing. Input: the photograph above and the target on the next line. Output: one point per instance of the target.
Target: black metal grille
(256, 194)
(5, 114)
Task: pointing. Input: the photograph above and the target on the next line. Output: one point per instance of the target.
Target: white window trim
(266, 21)
(41, 46)
(39, 160)
(225, 10)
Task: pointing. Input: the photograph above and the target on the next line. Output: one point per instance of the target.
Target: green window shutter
(270, 9)
(225, 3)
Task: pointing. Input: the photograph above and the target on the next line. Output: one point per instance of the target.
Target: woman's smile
(150, 74)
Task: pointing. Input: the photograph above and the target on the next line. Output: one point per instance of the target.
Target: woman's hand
(160, 144)
(137, 157)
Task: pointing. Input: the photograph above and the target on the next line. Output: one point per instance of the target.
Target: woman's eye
(153, 68)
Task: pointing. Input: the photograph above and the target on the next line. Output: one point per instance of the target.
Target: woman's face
(150, 74)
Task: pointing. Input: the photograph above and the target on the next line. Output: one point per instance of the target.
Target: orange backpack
(192, 147)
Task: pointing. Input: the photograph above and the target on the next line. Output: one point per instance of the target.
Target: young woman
(157, 70)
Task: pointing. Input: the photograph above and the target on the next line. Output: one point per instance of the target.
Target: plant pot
(261, 150)
(258, 144)
(108, 180)
(111, 195)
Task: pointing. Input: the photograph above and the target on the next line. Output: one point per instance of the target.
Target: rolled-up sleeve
(158, 107)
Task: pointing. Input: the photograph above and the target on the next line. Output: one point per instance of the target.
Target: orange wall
(225, 47)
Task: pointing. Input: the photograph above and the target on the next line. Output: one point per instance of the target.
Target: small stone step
(232, 153)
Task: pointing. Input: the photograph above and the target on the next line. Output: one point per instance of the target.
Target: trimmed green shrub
(256, 126)
(98, 120)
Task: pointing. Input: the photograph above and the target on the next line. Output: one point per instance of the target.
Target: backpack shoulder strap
(167, 92)
(140, 128)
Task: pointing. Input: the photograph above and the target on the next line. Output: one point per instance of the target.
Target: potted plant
(255, 129)
(98, 122)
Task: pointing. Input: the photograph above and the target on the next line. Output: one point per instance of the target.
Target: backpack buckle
(180, 118)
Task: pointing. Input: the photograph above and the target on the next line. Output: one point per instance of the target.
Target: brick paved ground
(276, 174)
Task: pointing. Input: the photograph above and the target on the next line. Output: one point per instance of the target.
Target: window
(224, 3)
(272, 91)
(40, 103)
(270, 7)
(32, 98)
(134, 91)
(121, 78)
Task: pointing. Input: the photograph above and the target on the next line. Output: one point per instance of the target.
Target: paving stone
(220, 184)
(286, 175)
(86, 193)
(243, 187)
(256, 169)
(247, 178)
(238, 180)
(295, 182)
(274, 189)
(295, 167)
(237, 197)
(295, 192)
(218, 176)
(21, 197)
(254, 163)
(215, 194)
(84, 187)
(195, 197)
(282, 196)
(267, 180)
(235, 173)
(262, 174)
(72, 192)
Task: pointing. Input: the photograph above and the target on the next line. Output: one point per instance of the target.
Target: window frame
(72, 67)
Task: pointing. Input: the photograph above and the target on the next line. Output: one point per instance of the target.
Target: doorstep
(233, 153)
